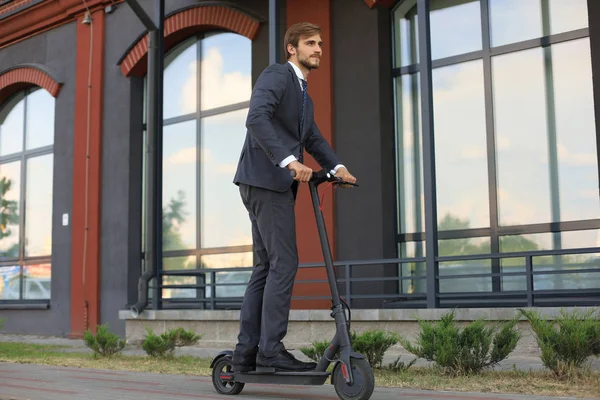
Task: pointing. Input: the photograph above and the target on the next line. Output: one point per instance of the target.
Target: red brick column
(87, 183)
(321, 91)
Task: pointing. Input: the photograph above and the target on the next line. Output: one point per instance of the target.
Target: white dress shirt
(291, 158)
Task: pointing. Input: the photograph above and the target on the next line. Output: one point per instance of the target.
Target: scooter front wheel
(225, 386)
(363, 385)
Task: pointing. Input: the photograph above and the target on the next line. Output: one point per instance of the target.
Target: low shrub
(373, 344)
(103, 343)
(464, 351)
(164, 345)
(567, 342)
(316, 351)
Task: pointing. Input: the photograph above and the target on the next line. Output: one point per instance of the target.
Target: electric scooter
(351, 376)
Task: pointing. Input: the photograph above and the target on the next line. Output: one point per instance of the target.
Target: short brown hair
(296, 31)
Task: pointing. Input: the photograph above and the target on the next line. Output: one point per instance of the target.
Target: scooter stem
(327, 257)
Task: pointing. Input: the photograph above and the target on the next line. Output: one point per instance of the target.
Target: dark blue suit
(274, 131)
(269, 192)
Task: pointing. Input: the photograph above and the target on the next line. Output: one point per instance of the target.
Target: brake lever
(341, 182)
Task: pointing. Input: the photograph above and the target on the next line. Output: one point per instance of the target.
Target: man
(280, 126)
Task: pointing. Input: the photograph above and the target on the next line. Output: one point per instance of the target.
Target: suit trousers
(266, 305)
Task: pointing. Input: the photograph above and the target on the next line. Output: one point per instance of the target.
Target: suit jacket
(273, 131)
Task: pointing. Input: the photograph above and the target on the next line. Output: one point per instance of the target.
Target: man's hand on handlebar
(345, 176)
(302, 172)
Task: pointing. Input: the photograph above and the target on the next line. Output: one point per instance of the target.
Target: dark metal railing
(371, 292)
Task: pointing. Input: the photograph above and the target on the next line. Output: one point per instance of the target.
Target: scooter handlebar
(321, 176)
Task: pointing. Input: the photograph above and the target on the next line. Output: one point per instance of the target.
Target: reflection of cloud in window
(230, 260)
(521, 133)
(218, 88)
(565, 156)
(188, 156)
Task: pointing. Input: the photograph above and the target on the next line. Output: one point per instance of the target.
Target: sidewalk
(37, 382)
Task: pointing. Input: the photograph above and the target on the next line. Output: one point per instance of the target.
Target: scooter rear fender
(222, 354)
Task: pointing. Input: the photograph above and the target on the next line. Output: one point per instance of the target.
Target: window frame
(204, 277)
(495, 231)
(23, 156)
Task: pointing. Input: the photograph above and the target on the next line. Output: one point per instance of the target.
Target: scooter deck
(268, 375)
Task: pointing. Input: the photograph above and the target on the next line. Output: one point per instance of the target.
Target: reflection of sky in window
(224, 218)
(460, 143)
(179, 74)
(38, 211)
(455, 30)
(226, 80)
(39, 132)
(225, 74)
(517, 20)
(179, 174)
(11, 126)
(520, 119)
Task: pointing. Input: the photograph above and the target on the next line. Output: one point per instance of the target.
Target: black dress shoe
(243, 363)
(285, 361)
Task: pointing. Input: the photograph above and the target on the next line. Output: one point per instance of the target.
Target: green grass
(518, 382)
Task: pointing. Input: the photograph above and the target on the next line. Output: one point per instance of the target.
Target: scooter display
(351, 375)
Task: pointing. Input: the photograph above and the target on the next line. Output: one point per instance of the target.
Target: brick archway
(20, 77)
(184, 23)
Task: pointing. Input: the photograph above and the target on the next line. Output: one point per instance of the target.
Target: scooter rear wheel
(363, 385)
(228, 387)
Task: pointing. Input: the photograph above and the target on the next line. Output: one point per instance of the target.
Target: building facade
(471, 128)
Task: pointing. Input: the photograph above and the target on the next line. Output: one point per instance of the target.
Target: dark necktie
(304, 84)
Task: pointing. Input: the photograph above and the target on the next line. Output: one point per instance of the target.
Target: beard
(309, 62)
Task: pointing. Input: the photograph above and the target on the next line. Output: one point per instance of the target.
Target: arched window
(514, 138)
(26, 178)
(207, 87)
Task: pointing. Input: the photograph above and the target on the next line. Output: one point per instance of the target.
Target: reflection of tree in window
(8, 217)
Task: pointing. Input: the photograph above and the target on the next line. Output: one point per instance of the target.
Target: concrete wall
(53, 49)
(220, 328)
(122, 152)
(364, 138)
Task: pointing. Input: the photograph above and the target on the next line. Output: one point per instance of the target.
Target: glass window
(179, 181)
(552, 241)
(575, 130)
(516, 122)
(518, 20)
(180, 80)
(38, 208)
(26, 190)
(207, 93)
(409, 155)
(405, 35)
(179, 264)
(234, 282)
(543, 106)
(464, 247)
(460, 146)
(224, 219)
(226, 71)
(10, 193)
(12, 118)
(412, 269)
(455, 27)
(521, 128)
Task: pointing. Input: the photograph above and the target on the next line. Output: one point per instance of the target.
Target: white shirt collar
(298, 72)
